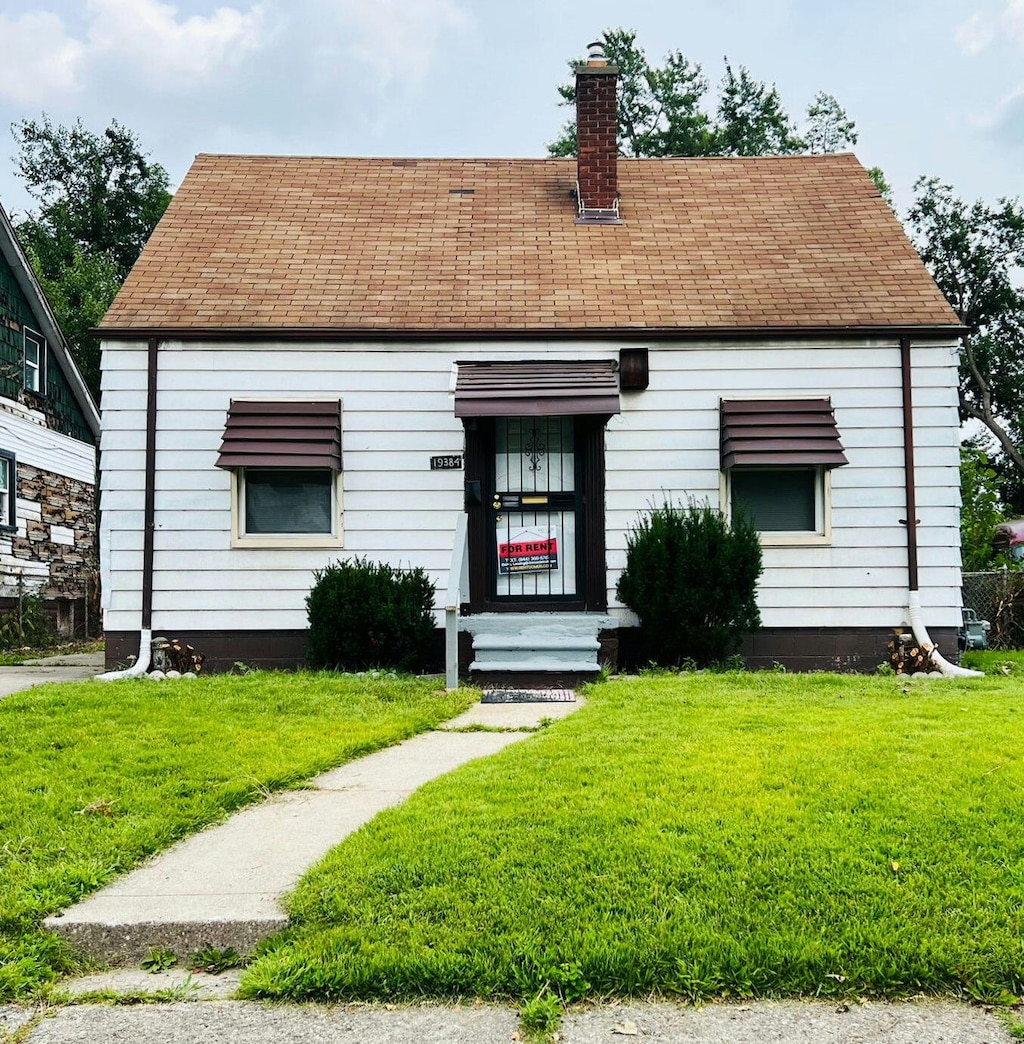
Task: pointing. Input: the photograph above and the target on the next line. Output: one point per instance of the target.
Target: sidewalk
(786, 1022)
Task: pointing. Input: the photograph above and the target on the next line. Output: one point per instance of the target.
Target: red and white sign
(527, 551)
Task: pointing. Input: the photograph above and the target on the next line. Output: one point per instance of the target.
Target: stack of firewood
(908, 656)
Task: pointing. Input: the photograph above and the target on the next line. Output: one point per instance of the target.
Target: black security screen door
(536, 511)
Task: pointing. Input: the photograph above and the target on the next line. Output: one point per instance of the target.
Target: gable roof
(449, 247)
(11, 251)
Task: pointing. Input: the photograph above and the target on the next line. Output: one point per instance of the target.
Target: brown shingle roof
(386, 245)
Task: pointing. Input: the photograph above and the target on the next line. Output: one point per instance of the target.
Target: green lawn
(94, 776)
(697, 835)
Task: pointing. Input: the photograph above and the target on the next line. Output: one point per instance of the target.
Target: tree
(829, 129)
(981, 509)
(99, 199)
(665, 111)
(751, 120)
(975, 254)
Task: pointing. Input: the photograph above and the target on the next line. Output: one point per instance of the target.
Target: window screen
(777, 501)
(288, 501)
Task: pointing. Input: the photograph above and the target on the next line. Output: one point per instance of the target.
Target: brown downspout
(939, 663)
(141, 664)
(149, 507)
(911, 521)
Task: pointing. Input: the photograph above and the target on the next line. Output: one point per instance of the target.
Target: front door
(536, 508)
(537, 535)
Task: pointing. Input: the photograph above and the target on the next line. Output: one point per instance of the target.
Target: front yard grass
(695, 835)
(94, 777)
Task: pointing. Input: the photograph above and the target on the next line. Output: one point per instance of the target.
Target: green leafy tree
(981, 510)
(666, 111)
(828, 128)
(99, 198)
(751, 120)
(975, 252)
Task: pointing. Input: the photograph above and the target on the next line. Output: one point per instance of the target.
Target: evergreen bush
(365, 615)
(691, 577)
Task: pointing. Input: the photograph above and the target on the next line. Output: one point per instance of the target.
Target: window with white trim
(777, 456)
(780, 500)
(8, 491)
(286, 502)
(34, 360)
(285, 460)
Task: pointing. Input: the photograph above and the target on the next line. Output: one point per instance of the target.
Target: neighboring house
(48, 432)
(317, 358)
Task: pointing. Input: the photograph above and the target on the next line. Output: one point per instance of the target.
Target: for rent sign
(527, 551)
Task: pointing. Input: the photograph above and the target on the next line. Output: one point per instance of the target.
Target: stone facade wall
(53, 551)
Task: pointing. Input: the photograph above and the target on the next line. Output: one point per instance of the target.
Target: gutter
(941, 664)
(523, 333)
(141, 664)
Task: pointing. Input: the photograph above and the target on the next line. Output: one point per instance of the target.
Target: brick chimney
(597, 126)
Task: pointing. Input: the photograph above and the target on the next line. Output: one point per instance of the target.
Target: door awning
(780, 433)
(282, 435)
(536, 389)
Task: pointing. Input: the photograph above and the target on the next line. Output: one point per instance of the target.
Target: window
(35, 354)
(8, 491)
(285, 459)
(287, 502)
(777, 456)
(780, 500)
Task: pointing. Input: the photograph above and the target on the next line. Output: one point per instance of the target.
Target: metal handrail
(457, 593)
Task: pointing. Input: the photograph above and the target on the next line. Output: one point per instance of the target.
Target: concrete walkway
(240, 1022)
(73, 667)
(223, 887)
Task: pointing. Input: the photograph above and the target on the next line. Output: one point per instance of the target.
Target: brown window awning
(282, 435)
(780, 433)
(536, 389)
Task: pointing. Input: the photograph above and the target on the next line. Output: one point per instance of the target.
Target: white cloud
(148, 38)
(397, 38)
(1012, 22)
(40, 61)
(1008, 123)
(974, 35)
(980, 30)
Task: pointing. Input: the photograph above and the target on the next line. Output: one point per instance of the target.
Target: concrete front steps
(535, 648)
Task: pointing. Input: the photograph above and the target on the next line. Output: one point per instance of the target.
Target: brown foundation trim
(226, 651)
(847, 649)
(223, 650)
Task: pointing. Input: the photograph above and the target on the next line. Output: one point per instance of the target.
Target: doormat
(528, 696)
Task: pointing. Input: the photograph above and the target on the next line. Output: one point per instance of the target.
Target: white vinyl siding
(398, 412)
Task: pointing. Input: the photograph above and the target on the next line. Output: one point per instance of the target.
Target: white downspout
(942, 665)
(921, 636)
(140, 666)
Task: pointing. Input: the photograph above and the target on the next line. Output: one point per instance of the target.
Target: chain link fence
(998, 597)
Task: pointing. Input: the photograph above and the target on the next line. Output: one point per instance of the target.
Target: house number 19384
(450, 462)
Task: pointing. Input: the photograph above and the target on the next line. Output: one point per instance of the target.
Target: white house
(319, 357)
(49, 427)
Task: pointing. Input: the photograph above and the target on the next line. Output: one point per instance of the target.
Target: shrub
(691, 577)
(364, 614)
(30, 626)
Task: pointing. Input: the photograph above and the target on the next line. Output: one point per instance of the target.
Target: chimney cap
(595, 53)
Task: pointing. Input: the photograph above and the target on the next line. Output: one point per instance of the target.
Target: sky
(935, 87)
